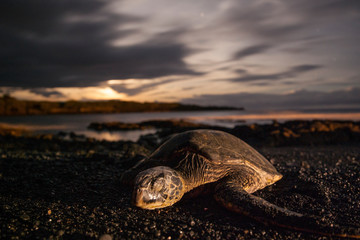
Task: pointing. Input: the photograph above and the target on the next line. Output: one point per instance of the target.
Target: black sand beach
(52, 188)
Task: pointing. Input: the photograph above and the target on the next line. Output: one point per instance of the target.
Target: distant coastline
(10, 106)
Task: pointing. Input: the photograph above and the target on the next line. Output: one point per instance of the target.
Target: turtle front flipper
(231, 195)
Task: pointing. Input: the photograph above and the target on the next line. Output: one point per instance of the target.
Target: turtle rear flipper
(233, 197)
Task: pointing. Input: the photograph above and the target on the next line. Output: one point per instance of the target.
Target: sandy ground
(56, 189)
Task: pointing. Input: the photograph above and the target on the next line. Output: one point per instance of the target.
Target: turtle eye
(145, 182)
(158, 184)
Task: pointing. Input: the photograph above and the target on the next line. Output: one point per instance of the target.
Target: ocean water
(79, 123)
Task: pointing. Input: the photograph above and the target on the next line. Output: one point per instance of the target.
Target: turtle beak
(143, 199)
(137, 198)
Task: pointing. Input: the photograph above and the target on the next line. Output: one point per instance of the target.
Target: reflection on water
(78, 123)
(133, 135)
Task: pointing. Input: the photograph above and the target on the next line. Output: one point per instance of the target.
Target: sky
(257, 54)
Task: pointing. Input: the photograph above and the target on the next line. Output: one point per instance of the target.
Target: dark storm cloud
(299, 99)
(69, 43)
(252, 50)
(291, 73)
(40, 17)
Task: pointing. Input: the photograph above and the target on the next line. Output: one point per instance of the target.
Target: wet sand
(59, 189)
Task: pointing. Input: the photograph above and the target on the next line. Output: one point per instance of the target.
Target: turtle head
(157, 187)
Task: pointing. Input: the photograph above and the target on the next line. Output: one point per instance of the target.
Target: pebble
(106, 237)
(25, 217)
(181, 234)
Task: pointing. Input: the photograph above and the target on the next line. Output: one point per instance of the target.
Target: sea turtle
(199, 160)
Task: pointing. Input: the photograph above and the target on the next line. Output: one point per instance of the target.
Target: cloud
(132, 91)
(47, 92)
(291, 73)
(283, 22)
(252, 50)
(295, 100)
(329, 9)
(263, 19)
(70, 44)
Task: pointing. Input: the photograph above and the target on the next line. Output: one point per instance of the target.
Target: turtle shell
(218, 147)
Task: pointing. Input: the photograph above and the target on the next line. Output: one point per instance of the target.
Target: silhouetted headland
(11, 106)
